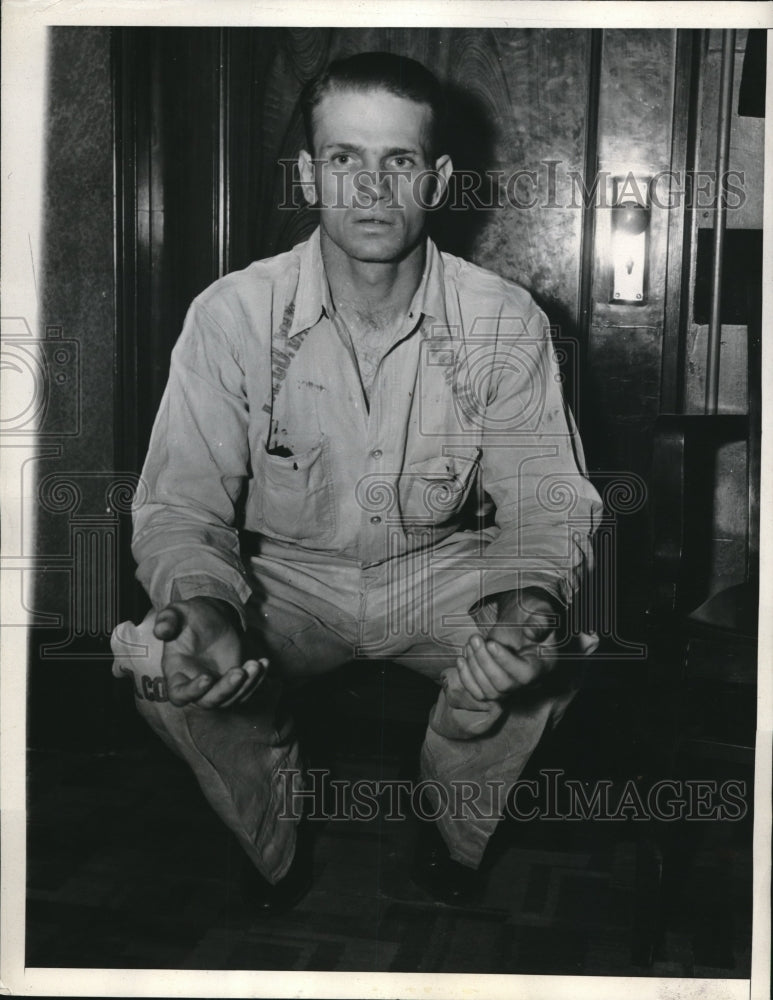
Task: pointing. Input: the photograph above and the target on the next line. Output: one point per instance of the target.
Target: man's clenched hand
(518, 650)
(202, 658)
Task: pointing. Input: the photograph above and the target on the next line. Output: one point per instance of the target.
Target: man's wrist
(219, 594)
(224, 608)
(518, 605)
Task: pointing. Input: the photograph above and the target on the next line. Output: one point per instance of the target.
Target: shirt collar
(430, 297)
(312, 299)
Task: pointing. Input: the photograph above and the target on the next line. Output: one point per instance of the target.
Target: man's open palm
(202, 658)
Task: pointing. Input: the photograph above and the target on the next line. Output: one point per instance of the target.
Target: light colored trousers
(314, 617)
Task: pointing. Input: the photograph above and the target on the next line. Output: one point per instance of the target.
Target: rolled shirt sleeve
(534, 470)
(185, 540)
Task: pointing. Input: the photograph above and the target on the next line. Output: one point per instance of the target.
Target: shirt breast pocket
(435, 490)
(296, 496)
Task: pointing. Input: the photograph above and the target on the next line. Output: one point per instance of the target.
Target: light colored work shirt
(264, 413)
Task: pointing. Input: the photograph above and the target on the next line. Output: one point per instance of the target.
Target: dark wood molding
(123, 56)
(222, 149)
(126, 263)
(138, 192)
(585, 304)
(684, 149)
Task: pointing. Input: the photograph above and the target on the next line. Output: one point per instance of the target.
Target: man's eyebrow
(348, 147)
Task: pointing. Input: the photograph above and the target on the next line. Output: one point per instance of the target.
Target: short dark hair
(365, 71)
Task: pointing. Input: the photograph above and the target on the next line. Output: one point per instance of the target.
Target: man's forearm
(526, 600)
(531, 606)
(229, 611)
(179, 560)
(185, 535)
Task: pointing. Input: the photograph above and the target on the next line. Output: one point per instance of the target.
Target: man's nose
(374, 186)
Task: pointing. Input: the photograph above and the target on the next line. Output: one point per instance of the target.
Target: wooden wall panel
(72, 482)
(625, 342)
(635, 114)
(542, 117)
(76, 281)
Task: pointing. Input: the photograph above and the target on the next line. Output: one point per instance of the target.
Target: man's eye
(402, 162)
(342, 159)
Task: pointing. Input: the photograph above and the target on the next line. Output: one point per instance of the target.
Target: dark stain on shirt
(283, 352)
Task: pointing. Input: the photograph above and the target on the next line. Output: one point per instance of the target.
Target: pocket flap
(454, 465)
(279, 467)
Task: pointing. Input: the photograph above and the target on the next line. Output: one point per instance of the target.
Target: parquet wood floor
(127, 868)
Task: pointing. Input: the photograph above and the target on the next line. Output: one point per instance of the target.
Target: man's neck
(374, 291)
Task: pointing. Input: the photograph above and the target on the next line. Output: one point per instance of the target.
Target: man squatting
(362, 400)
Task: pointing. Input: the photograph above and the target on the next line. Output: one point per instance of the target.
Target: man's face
(370, 177)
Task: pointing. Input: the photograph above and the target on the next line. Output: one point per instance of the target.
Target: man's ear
(306, 170)
(444, 168)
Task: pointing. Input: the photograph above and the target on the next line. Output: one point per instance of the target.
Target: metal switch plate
(628, 260)
(629, 239)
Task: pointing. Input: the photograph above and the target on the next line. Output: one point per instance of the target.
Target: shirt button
(376, 453)
(375, 519)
